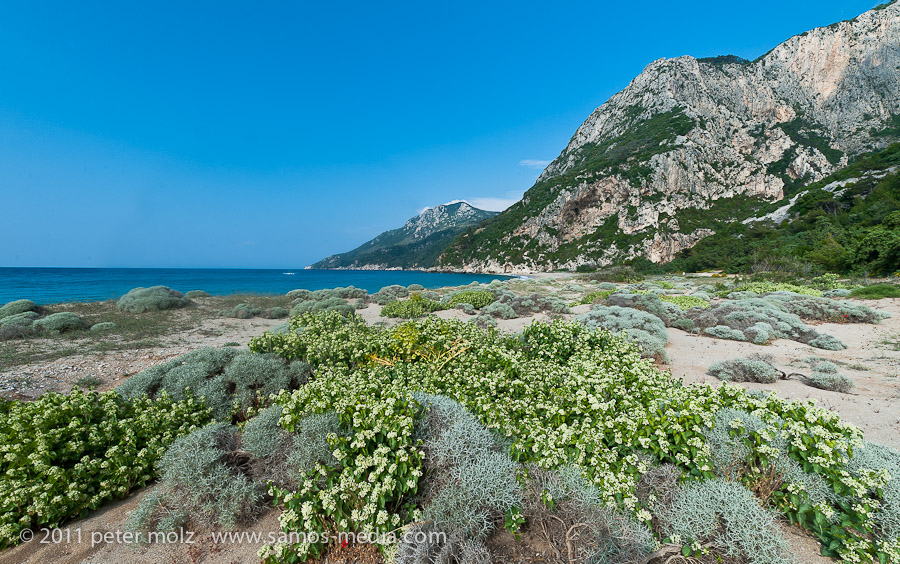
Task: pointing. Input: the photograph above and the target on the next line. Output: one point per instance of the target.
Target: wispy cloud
(533, 163)
(496, 203)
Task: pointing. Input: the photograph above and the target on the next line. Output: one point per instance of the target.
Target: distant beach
(57, 285)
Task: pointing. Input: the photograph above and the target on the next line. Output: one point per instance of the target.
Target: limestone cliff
(691, 143)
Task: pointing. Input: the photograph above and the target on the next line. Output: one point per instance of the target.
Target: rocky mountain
(415, 245)
(694, 144)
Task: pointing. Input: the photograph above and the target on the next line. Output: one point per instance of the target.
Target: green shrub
(416, 306)
(276, 312)
(726, 332)
(685, 302)
(645, 329)
(468, 309)
(764, 287)
(88, 382)
(16, 307)
(202, 482)
(67, 454)
(156, 298)
(25, 319)
(684, 324)
(665, 285)
(196, 294)
(103, 327)
(500, 310)
(745, 370)
(876, 292)
(241, 311)
(544, 392)
(476, 298)
(484, 321)
(57, 323)
(593, 297)
(314, 305)
(415, 287)
(624, 274)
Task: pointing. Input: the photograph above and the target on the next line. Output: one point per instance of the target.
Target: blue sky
(270, 134)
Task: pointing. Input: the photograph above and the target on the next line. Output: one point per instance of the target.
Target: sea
(58, 285)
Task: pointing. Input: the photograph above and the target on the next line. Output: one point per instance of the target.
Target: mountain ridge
(416, 245)
(720, 135)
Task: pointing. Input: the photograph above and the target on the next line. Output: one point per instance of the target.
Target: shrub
(390, 293)
(67, 454)
(728, 516)
(193, 294)
(415, 287)
(625, 274)
(544, 392)
(156, 298)
(25, 319)
(765, 287)
(484, 321)
(14, 331)
(594, 297)
(876, 292)
(758, 320)
(725, 332)
(315, 305)
(299, 294)
(276, 312)
(684, 324)
(57, 323)
(102, 327)
(226, 378)
(88, 382)
(416, 306)
(476, 298)
(745, 370)
(468, 309)
(825, 309)
(825, 376)
(645, 329)
(477, 482)
(241, 311)
(651, 303)
(203, 481)
(499, 310)
(685, 302)
(836, 293)
(16, 307)
(527, 305)
(872, 456)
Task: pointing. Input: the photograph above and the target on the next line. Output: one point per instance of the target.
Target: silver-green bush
(17, 307)
(196, 294)
(203, 481)
(729, 516)
(57, 323)
(155, 298)
(24, 319)
(104, 326)
(645, 329)
(745, 370)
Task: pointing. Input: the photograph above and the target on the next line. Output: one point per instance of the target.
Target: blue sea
(56, 285)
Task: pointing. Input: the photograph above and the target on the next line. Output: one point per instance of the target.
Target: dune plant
(155, 298)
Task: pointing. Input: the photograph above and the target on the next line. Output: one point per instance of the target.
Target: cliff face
(415, 245)
(691, 143)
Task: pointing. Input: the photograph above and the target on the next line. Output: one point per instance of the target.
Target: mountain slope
(415, 245)
(693, 142)
(848, 222)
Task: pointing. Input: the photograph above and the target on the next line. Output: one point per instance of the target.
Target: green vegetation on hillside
(854, 229)
(406, 247)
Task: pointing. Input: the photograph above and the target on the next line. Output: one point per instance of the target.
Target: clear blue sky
(270, 134)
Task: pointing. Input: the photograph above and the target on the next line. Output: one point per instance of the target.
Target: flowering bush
(563, 395)
(64, 454)
(477, 298)
(685, 302)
